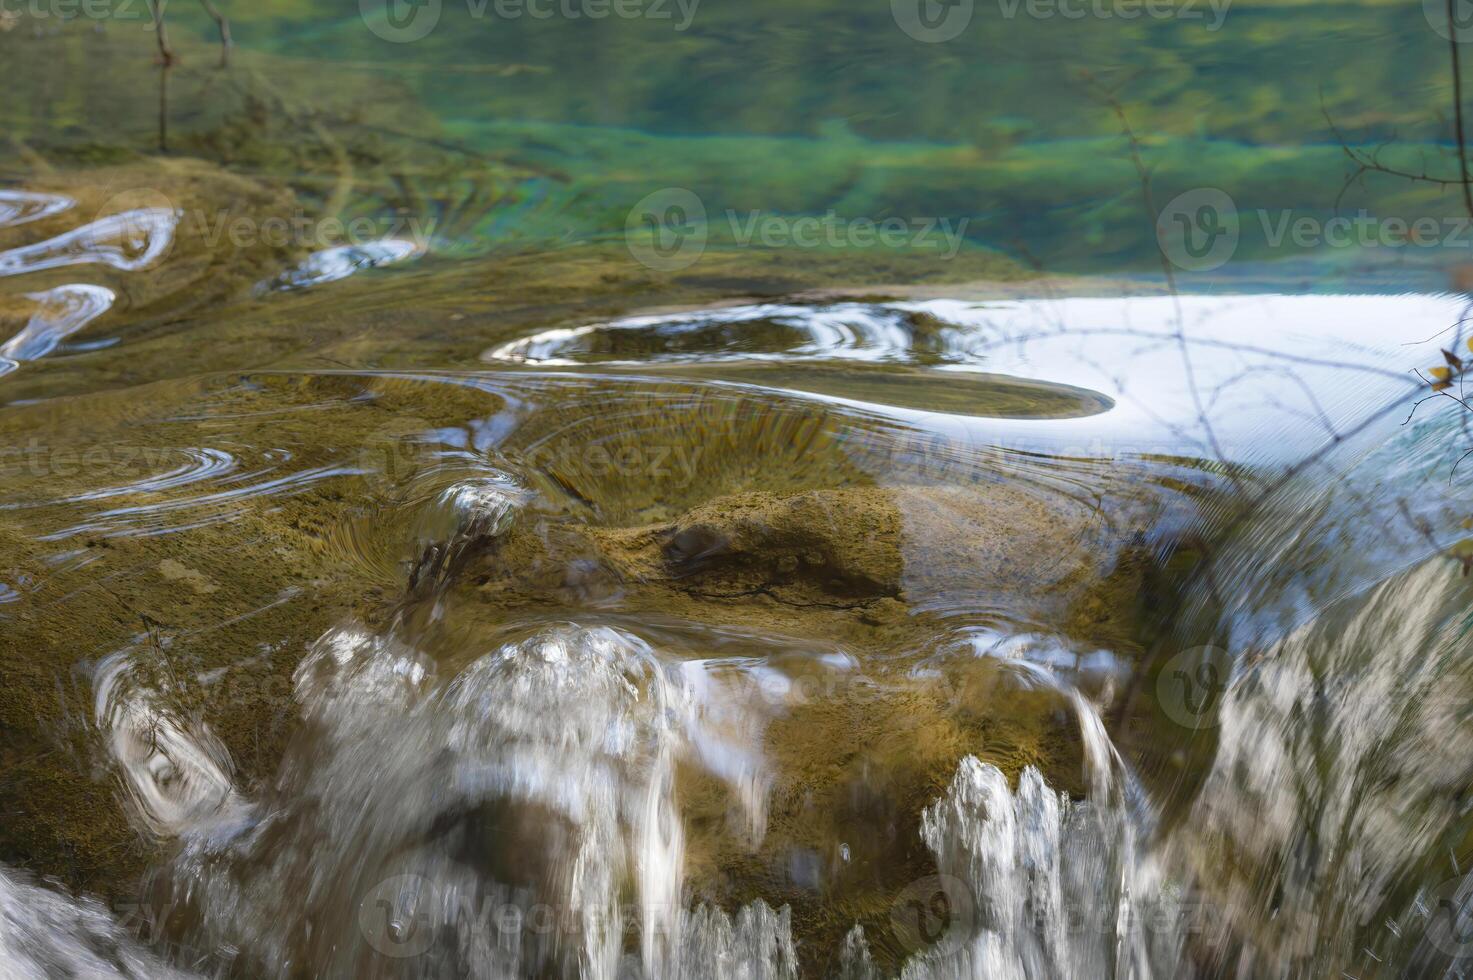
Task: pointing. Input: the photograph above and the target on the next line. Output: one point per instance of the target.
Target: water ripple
(20, 207)
(1118, 362)
(130, 241)
(203, 464)
(178, 775)
(340, 262)
(144, 520)
(64, 310)
(770, 331)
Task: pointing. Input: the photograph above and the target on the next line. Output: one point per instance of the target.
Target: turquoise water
(819, 109)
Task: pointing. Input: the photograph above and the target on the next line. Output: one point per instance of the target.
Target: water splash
(45, 935)
(176, 773)
(1033, 885)
(464, 517)
(568, 738)
(1342, 759)
(757, 945)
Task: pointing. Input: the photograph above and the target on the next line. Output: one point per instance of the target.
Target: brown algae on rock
(303, 440)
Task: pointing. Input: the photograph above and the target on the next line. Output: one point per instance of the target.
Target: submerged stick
(164, 107)
(166, 51)
(223, 25)
(161, 33)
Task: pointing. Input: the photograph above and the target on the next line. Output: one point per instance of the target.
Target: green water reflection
(577, 110)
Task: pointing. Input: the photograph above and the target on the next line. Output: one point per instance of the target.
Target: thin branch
(1227, 345)
(1452, 41)
(161, 33)
(223, 26)
(1188, 370)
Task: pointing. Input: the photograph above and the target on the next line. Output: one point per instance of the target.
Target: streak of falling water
(382, 835)
(1331, 823)
(45, 935)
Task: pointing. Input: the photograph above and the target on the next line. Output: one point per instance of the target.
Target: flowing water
(710, 490)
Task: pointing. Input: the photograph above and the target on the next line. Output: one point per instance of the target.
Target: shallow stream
(511, 588)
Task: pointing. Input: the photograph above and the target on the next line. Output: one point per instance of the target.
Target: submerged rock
(804, 575)
(867, 557)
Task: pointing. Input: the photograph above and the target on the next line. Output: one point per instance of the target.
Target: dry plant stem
(164, 108)
(1204, 568)
(161, 32)
(223, 25)
(1452, 41)
(1188, 370)
(1371, 162)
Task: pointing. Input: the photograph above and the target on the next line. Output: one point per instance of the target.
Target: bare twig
(1452, 42)
(1371, 162)
(1188, 370)
(223, 26)
(164, 107)
(161, 32)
